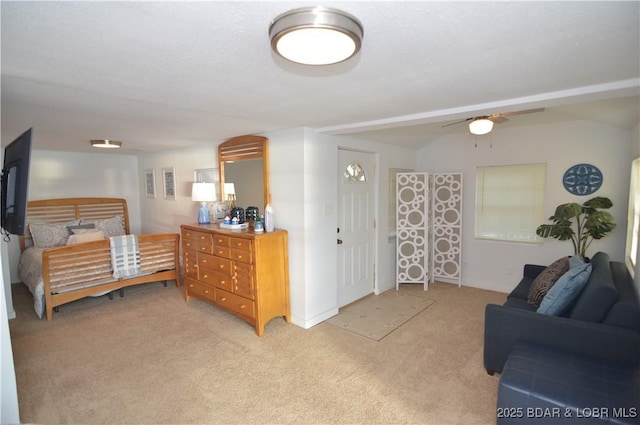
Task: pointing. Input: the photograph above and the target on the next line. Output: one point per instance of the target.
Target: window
(510, 202)
(354, 173)
(633, 220)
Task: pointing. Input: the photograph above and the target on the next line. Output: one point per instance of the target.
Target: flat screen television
(15, 184)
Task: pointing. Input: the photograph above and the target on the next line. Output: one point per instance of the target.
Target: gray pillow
(47, 235)
(113, 226)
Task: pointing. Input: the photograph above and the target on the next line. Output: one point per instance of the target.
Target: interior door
(355, 236)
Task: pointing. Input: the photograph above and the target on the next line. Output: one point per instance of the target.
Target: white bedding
(30, 272)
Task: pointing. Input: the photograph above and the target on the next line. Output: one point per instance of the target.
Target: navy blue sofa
(603, 323)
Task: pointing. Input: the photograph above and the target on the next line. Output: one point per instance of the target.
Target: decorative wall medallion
(582, 179)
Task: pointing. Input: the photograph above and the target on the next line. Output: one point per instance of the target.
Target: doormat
(376, 316)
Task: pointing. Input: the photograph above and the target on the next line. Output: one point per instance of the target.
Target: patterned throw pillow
(113, 226)
(47, 235)
(546, 279)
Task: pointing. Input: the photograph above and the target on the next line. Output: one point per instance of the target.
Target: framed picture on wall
(150, 183)
(168, 177)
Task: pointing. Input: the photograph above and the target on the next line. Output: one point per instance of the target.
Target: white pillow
(85, 237)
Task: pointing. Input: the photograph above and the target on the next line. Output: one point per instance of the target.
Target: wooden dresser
(243, 272)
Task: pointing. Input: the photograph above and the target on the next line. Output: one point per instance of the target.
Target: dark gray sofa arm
(505, 326)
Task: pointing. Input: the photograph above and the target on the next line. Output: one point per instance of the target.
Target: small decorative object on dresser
(241, 271)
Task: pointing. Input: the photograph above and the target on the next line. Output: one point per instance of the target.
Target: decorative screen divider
(429, 228)
(447, 226)
(412, 236)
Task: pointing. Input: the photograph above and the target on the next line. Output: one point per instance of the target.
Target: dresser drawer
(241, 244)
(222, 251)
(238, 255)
(190, 263)
(213, 263)
(189, 234)
(204, 246)
(218, 280)
(200, 289)
(236, 304)
(221, 241)
(244, 281)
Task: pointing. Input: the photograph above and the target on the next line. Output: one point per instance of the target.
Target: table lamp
(230, 193)
(203, 193)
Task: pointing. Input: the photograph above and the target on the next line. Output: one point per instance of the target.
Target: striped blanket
(125, 256)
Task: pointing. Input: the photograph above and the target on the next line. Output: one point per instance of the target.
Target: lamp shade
(316, 35)
(480, 126)
(229, 189)
(203, 192)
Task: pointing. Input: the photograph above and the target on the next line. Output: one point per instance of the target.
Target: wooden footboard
(76, 271)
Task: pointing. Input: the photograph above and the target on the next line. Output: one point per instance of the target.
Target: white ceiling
(164, 75)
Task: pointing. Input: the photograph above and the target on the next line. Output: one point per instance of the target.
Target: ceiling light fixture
(316, 35)
(106, 144)
(480, 126)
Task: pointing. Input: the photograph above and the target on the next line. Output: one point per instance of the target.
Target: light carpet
(152, 358)
(376, 316)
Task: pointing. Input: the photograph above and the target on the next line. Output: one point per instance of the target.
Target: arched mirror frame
(241, 148)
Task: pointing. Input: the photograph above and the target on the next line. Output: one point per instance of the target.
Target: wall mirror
(244, 161)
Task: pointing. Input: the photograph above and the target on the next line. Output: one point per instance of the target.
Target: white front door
(355, 236)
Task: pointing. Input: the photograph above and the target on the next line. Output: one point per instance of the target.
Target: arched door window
(354, 173)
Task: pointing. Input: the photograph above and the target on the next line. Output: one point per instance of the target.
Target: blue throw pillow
(565, 290)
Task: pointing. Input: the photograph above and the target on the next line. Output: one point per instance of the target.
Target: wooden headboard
(66, 209)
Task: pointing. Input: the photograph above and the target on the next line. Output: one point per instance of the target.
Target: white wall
(166, 215)
(498, 265)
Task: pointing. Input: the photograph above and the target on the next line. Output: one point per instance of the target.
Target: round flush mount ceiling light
(106, 144)
(480, 126)
(316, 35)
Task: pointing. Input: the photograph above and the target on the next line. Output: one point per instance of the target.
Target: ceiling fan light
(106, 144)
(316, 35)
(480, 126)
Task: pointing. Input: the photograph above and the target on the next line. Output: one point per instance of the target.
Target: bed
(63, 258)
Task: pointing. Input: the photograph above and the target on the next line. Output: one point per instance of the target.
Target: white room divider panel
(447, 226)
(412, 237)
(429, 228)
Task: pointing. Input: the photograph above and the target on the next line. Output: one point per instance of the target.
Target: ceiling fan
(483, 124)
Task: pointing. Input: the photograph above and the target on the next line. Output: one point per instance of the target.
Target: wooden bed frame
(63, 276)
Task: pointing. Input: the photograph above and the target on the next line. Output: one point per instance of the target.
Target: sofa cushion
(625, 312)
(599, 294)
(546, 279)
(520, 303)
(565, 290)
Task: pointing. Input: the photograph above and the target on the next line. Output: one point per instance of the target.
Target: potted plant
(591, 222)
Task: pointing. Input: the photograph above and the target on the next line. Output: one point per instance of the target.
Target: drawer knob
(239, 257)
(221, 266)
(191, 285)
(205, 276)
(204, 261)
(206, 291)
(242, 307)
(223, 299)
